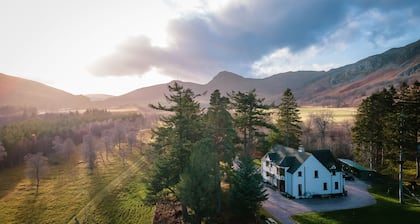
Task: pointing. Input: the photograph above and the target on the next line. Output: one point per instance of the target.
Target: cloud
(247, 37)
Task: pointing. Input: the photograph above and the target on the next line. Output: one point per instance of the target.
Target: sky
(114, 47)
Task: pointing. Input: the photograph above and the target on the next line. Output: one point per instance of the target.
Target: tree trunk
(219, 200)
(37, 180)
(184, 213)
(417, 166)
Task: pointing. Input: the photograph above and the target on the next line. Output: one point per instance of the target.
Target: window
(281, 171)
(267, 163)
(333, 172)
(325, 186)
(316, 173)
(267, 174)
(336, 185)
(299, 173)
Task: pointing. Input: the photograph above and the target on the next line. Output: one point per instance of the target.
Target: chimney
(301, 149)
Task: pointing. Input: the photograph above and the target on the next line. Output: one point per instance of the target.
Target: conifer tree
(288, 122)
(375, 132)
(247, 189)
(200, 182)
(250, 117)
(220, 127)
(173, 142)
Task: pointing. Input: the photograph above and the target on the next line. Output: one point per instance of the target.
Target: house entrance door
(281, 185)
(300, 189)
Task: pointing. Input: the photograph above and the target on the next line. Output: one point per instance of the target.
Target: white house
(301, 174)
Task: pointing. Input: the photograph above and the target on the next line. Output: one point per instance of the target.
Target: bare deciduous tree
(3, 152)
(89, 150)
(131, 139)
(322, 121)
(107, 140)
(36, 167)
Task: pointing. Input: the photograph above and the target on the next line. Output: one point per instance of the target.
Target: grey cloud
(242, 33)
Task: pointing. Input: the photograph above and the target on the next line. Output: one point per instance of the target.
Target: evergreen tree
(250, 117)
(173, 141)
(408, 109)
(247, 189)
(288, 122)
(220, 127)
(200, 182)
(374, 129)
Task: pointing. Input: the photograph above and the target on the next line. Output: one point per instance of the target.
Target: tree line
(56, 135)
(197, 149)
(387, 122)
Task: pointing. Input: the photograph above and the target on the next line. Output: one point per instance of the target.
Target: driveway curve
(283, 208)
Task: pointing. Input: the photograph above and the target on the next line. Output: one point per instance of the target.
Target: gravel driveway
(282, 208)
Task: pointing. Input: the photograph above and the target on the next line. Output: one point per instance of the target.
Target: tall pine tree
(247, 189)
(250, 117)
(200, 183)
(288, 122)
(173, 141)
(220, 127)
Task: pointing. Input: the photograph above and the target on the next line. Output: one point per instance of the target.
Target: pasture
(111, 194)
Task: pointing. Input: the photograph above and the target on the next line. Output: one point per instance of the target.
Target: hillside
(16, 91)
(344, 86)
(348, 85)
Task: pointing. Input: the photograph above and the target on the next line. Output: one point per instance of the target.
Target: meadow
(340, 114)
(112, 193)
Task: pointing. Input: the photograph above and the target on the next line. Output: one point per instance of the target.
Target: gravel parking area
(282, 208)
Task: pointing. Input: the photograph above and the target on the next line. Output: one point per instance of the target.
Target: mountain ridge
(343, 86)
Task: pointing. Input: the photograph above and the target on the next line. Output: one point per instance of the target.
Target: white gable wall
(310, 185)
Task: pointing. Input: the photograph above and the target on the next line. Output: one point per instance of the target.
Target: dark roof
(327, 159)
(287, 157)
(274, 157)
(355, 165)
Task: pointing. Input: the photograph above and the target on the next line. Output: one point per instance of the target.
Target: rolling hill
(16, 91)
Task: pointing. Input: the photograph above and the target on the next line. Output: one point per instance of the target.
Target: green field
(111, 194)
(340, 114)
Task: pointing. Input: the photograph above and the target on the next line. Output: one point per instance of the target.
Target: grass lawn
(386, 210)
(68, 189)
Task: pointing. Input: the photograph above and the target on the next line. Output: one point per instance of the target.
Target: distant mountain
(16, 91)
(351, 83)
(98, 97)
(344, 86)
